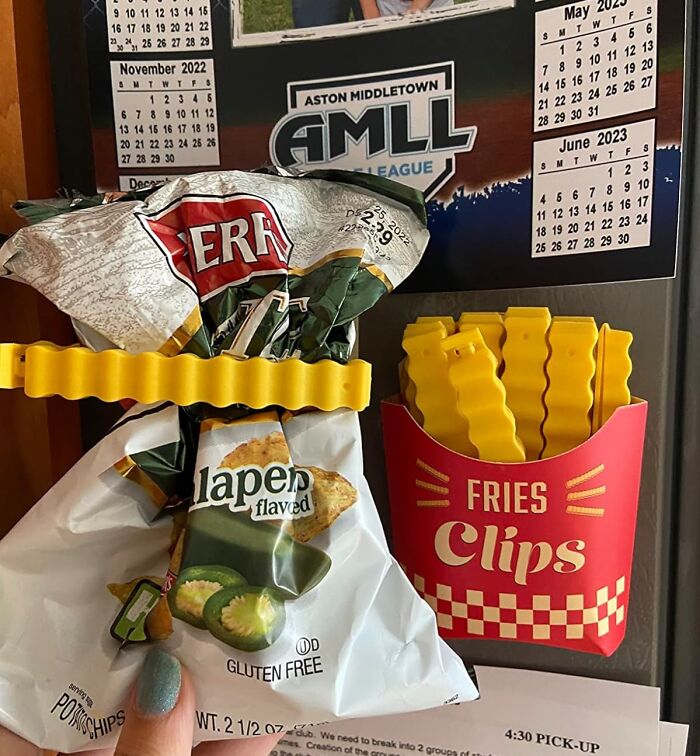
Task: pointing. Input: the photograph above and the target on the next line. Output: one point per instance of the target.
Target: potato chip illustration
(332, 494)
(259, 451)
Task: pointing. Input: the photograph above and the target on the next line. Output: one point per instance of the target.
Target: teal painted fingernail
(159, 684)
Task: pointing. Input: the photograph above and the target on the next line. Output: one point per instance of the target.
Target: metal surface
(683, 681)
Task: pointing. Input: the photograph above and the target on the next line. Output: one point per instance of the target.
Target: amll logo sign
(397, 124)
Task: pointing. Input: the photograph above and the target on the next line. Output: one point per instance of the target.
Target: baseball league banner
(538, 552)
(545, 134)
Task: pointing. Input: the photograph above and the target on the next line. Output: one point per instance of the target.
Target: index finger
(243, 747)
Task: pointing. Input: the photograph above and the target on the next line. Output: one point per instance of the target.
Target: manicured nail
(159, 684)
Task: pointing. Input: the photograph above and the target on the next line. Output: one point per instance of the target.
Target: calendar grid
(596, 165)
(165, 113)
(588, 34)
(165, 26)
(593, 62)
(593, 191)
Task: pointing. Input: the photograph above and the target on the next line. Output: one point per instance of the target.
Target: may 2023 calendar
(595, 60)
(546, 134)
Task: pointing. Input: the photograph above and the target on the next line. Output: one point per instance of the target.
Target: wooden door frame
(39, 439)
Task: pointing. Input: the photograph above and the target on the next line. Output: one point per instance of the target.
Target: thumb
(13, 745)
(160, 719)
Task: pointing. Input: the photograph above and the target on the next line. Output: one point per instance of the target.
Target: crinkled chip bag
(246, 543)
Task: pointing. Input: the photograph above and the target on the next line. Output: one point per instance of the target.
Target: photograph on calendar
(260, 22)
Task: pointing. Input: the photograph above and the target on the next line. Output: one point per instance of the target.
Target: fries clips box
(538, 552)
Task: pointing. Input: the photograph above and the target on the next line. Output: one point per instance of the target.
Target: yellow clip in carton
(436, 398)
(613, 370)
(492, 329)
(408, 387)
(525, 353)
(569, 396)
(481, 398)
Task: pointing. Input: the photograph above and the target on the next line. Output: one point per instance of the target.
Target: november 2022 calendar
(547, 135)
(165, 113)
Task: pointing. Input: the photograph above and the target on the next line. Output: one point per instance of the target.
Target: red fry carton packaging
(538, 552)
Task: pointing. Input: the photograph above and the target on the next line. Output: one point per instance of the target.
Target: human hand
(159, 720)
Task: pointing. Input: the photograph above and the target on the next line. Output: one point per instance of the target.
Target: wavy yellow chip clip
(569, 396)
(525, 353)
(76, 372)
(613, 369)
(435, 396)
(481, 398)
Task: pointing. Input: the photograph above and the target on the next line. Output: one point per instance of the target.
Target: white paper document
(521, 713)
(673, 739)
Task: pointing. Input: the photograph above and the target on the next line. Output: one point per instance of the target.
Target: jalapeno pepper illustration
(247, 618)
(195, 585)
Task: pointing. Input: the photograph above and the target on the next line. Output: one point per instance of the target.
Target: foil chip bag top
(247, 542)
(244, 263)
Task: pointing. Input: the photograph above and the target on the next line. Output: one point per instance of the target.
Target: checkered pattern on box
(480, 613)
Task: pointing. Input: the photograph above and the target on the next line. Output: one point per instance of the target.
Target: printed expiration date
(382, 229)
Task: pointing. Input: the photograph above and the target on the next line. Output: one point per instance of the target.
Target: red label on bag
(214, 242)
(538, 552)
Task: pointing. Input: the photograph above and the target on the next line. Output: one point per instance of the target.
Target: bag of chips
(247, 542)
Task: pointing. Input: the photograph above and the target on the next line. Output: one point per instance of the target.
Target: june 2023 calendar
(593, 191)
(547, 134)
